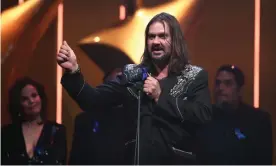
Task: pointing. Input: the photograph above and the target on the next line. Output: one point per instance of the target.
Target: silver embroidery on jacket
(132, 93)
(184, 80)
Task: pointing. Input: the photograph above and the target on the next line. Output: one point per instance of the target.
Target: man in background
(239, 133)
(99, 138)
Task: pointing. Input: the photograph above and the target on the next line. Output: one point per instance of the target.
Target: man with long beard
(175, 98)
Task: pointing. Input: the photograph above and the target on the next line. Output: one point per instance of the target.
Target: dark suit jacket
(98, 138)
(183, 106)
(241, 137)
(50, 148)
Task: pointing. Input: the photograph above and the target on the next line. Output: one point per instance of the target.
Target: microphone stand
(137, 143)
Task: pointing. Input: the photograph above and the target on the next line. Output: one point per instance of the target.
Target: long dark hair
(179, 52)
(14, 105)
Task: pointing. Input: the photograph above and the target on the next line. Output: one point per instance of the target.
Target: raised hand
(66, 58)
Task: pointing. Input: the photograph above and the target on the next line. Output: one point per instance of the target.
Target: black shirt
(238, 137)
(99, 137)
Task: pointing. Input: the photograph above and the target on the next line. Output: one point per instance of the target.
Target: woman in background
(31, 139)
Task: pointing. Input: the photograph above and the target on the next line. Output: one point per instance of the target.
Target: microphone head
(134, 73)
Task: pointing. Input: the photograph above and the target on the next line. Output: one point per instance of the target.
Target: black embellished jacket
(50, 148)
(170, 124)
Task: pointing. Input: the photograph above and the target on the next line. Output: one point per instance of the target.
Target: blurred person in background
(99, 135)
(31, 138)
(239, 133)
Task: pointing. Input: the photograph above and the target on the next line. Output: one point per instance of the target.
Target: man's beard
(160, 61)
(226, 106)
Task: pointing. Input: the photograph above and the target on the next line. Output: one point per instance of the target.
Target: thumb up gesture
(66, 58)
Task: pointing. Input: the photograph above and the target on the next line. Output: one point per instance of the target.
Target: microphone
(134, 73)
